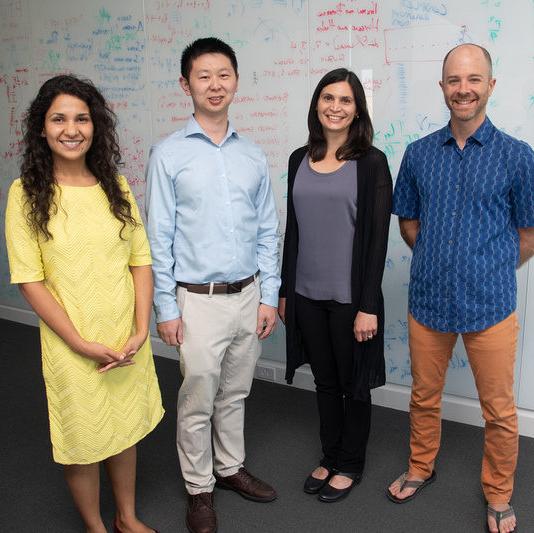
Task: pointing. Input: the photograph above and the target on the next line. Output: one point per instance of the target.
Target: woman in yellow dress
(78, 251)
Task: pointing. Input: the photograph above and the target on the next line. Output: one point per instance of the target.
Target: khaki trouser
(491, 354)
(217, 361)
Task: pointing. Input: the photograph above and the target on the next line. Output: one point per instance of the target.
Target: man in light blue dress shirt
(213, 230)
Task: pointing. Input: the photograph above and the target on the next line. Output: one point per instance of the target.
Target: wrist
(141, 333)
(79, 345)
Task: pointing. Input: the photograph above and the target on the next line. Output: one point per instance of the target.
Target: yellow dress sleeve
(140, 249)
(23, 250)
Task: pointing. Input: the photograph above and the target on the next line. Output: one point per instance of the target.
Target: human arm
(55, 317)
(406, 201)
(378, 218)
(522, 201)
(143, 289)
(282, 309)
(409, 228)
(28, 272)
(267, 254)
(161, 215)
(290, 250)
(526, 244)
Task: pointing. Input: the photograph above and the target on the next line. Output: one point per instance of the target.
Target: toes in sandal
(410, 484)
(501, 515)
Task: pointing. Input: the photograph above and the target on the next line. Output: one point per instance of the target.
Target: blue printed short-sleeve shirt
(469, 204)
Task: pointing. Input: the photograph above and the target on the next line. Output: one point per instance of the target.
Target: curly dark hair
(360, 137)
(102, 159)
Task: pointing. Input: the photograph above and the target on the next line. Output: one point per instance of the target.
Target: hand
(365, 326)
(132, 346)
(282, 309)
(171, 332)
(266, 321)
(100, 353)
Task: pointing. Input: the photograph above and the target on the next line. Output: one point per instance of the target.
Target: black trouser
(327, 333)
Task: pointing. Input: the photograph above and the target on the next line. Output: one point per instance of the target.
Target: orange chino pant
(491, 354)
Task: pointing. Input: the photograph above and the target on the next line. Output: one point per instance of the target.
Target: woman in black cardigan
(338, 211)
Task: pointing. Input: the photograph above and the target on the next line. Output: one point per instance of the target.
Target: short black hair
(206, 45)
(360, 137)
(487, 57)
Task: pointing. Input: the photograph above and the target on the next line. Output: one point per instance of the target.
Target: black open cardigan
(368, 260)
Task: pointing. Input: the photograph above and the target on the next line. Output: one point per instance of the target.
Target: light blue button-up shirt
(211, 215)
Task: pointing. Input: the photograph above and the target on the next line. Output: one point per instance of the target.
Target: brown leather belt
(218, 288)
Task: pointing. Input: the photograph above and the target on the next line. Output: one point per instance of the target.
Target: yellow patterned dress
(85, 266)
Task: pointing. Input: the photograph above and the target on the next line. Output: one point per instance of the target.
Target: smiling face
(212, 85)
(68, 128)
(467, 85)
(336, 108)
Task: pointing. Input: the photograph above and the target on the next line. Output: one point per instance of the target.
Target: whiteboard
(131, 49)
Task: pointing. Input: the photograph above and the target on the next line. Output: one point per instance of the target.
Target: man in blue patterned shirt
(465, 201)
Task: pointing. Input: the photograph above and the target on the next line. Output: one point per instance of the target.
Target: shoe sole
(191, 530)
(224, 486)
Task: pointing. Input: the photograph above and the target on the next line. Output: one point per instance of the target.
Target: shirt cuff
(166, 312)
(269, 298)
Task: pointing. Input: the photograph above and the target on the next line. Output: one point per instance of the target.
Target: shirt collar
(481, 135)
(193, 128)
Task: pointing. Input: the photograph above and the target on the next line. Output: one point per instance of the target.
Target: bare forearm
(144, 291)
(49, 310)
(409, 229)
(526, 244)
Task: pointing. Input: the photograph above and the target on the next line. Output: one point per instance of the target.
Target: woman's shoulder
(16, 185)
(298, 154)
(373, 154)
(124, 185)
(16, 189)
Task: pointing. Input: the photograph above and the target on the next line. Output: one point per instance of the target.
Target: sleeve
(23, 250)
(378, 244)
(290, 236)
(268, 238)
(161, 222)
(406, 195)
(522, 194)
(139, 250)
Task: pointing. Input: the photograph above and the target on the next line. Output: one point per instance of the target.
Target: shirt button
(450, 242)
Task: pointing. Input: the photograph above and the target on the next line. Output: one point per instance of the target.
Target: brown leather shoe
(201, 516)
(248, 486)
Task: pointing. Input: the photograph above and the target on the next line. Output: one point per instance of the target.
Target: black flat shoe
(329, 494)
(313, 485)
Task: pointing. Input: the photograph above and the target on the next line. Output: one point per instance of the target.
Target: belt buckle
(235, 287)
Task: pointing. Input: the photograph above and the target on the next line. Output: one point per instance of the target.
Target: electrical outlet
(265, 372)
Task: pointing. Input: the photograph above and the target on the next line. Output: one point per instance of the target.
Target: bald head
(468, 49)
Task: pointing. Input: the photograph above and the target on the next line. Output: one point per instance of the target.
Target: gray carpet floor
(282, 447)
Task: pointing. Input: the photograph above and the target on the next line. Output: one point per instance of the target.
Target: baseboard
(454, 408)
(15, 314)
